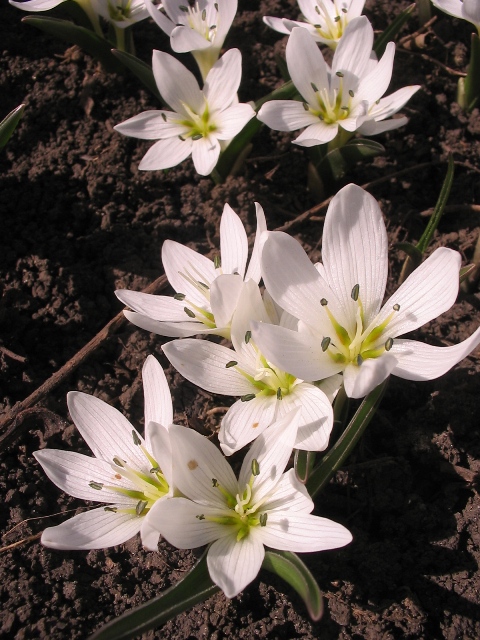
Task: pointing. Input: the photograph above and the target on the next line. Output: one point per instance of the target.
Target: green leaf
(303, 463)
(95, 45)
(466, 271)
(9, 124)
(340, 451)
(469, 87)
(290, 568)
(140, 69)
(195, 587)
(412, 252)
(392, 31)
(336, 163)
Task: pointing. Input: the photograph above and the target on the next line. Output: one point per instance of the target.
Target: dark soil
(79, 220)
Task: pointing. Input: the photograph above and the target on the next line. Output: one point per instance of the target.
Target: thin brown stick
(35, 536)
(454, 208)
(59, 376)
(453, 72)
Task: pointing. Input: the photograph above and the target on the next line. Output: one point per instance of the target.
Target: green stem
(120, 38)
(469, 87)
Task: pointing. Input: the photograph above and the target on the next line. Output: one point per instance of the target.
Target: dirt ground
(78, 220)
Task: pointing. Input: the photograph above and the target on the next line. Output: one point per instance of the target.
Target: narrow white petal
(177, 85)
(276, 24)
(176, 520)
(36, 5)
(302, 533)
(374, 84)
(374, 128)
(452, 7)
(149, 534)
(204, 364)
(197, 461)
(360, 380)
(182, 263)
(318, 133)
(286, 115)
(161, 449)
(355, 252)
(224, 294)
(250, 307)
(94, 529)
(330, 386)
(165, 154)
(390, 105)
(156, 392)
(298, 353)
(72, 472)
(159, 17)
(419, 361)
(205, 153)
(224, 18)
(185, 39)
(223, 79)
(168, 329)
(245, 421)
(290, 495)
(306, 64)
(429, 291)
(232, 120)
(254, 266)
(355, 47)
(106, 431)
(233, 565)
(471, 11)
(233, 242)
(272, 450)
(160, 308)
(152, 125)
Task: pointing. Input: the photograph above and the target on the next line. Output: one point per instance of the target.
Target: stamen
(306, 106)
(314, 87)
(214, 482)
(96, 485)
(164, 117)
(136, 438)
(359, 360)
(247, 397)
(324, 302)
(200, 517)
(183, 8)
(396, 307)
(141, 506)
(118, 462)
(355, 292)
(337, 19)
(325, 343)
(389, 344)
(255, 467)
(279, 393)
(263, 519)
(204, 14)
(197, 136)
(217, 262)
(111, 509)
(339, 74)
(232, 363)
(179, 296)
(350, 93)
(248, 336)
(189, 312)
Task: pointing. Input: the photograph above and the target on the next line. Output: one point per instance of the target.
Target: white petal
(355, 47)
(290, 495)
(160, 308)
(160, 18)
(161, 449)
(176, 84)
(165, 154)
(471, 11)
(297, 353)
(374, 84)
(272, 450)
(286, 115)
(168, 329)
(185, 39)
(391, 104)
(151, 125)
(330, 386)
(106, 431)
(245, 421)
(250, 307)
(233, 242)
(149, 534)
(232, 120)
(224, 294)
(419, 361)
(205, 153)
(452, 7)
(72, 472)
(429, 291)
(360, 380)
(355, 251)
(306, 64)
(276, 24)
(158, 400)
(180, 263)
(254, 266)
(316, 416)
(374, 128)
(233, 565)
(302, 533)
(318, 133)
(223, 79)
(94, 529)
(36, 5)
(204, 364)
(176, 519)
(224, 19)
(196, 462)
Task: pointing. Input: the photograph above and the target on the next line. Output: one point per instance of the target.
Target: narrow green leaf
(337, 455)
(392, 31)
(9, 124)
(336, 163)
(466, 271)
(439, 207)
(140, 69)
(195, 587)
(95, 45)
(290, 568)
(303, 463)
(471, 84)
(411, 250)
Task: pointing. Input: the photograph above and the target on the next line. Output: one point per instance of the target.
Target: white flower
(325, 20)
(265, 506)
(347, 96)
(343, 326)
(46, 5)
(122, 13)
(466, 10)
(200, 120)
(199, 27)
(207, 290)
(130, 474)
(267, 393)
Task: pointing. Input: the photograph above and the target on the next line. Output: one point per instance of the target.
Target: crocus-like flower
(325, 20)
(46, 5)
(267, 393)
(199, 27)
(265, 506)
(130, 474)
(200, 120)
(207, 290)
(343, 324)
(464, 9)
(345, 98)
(122, 13)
